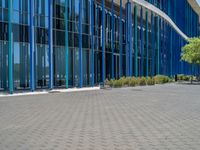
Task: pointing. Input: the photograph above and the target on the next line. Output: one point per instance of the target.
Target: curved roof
(161, 14)
(157, 11)
(195, 6)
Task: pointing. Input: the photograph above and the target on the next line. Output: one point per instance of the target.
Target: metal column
(158, 45)
(103, 39)
(127, 49)
(120, 42)
(142, 43)
(129, 42)
(80, 46)
(152, 45)
(50, 38)
(32, 47)
(135, 41)
(92, 36)
(10, 47)
(112, 40)
(66, 44)
(147, 44)
(171, 53)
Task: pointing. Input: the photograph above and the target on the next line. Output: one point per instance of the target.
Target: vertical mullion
(135, 41)
(169, 8)
(103, 40)
(147, 44)
(32, 49)
(113, 39)
(127, 34)
(158, 45)
(50, 43)
(66, 44)
(141, 45)
(80, 45)
(10, 47)
(152, 44)
(120, 40)
(92, 36)
(129, 44)
(130, 41)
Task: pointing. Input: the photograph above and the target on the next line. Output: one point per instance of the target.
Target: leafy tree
(191, 51)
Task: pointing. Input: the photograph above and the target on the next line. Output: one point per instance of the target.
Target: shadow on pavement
(189, 83)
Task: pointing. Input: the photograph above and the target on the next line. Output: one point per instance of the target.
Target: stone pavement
(162, 117)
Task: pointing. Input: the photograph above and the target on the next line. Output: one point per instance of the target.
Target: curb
(49, 92)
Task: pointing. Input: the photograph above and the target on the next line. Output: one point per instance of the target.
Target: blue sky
(198, 1)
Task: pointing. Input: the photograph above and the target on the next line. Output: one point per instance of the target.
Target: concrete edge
(48, 92)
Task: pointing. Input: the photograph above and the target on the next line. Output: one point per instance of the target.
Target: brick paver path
(164, 117)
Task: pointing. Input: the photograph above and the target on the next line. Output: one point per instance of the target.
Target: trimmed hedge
(182, 77)
(110, 83)
(161, 79)
(126, 81)
(117, 83)
(133, 82)
(140, 81)
(150, 81)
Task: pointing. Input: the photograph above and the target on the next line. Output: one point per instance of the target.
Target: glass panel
(76, 67)
(86, 68)
(73, 63)
(70, 68)
(59, 66)
(42, 66)
(3, 65)
(21, 65)
(116, 66)
(108, 65)
(97, 66)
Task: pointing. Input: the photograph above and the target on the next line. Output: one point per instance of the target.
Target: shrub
(186, 78)
(117, 83)
(191, 77)
(183, 77)
(142, 81)
(180, 76)
(198, 78)
(110, 83)
(161, 79)
(171, 80)
(126, 81)
(150, 81)
(133, 81)
(123, 79)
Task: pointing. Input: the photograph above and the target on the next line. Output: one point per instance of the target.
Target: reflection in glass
(42, 66)
(21, 65)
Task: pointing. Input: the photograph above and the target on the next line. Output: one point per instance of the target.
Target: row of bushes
(182, 77)
(140, 81)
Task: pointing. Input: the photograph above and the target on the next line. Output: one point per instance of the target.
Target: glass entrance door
(116, 65)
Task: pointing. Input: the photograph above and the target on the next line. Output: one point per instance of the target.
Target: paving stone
(161, 117)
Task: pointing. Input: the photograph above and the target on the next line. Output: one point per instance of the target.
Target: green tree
(191, 51)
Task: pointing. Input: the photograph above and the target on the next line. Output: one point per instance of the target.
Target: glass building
(46, 44)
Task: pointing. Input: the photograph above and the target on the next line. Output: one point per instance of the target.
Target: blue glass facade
(78, 43)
